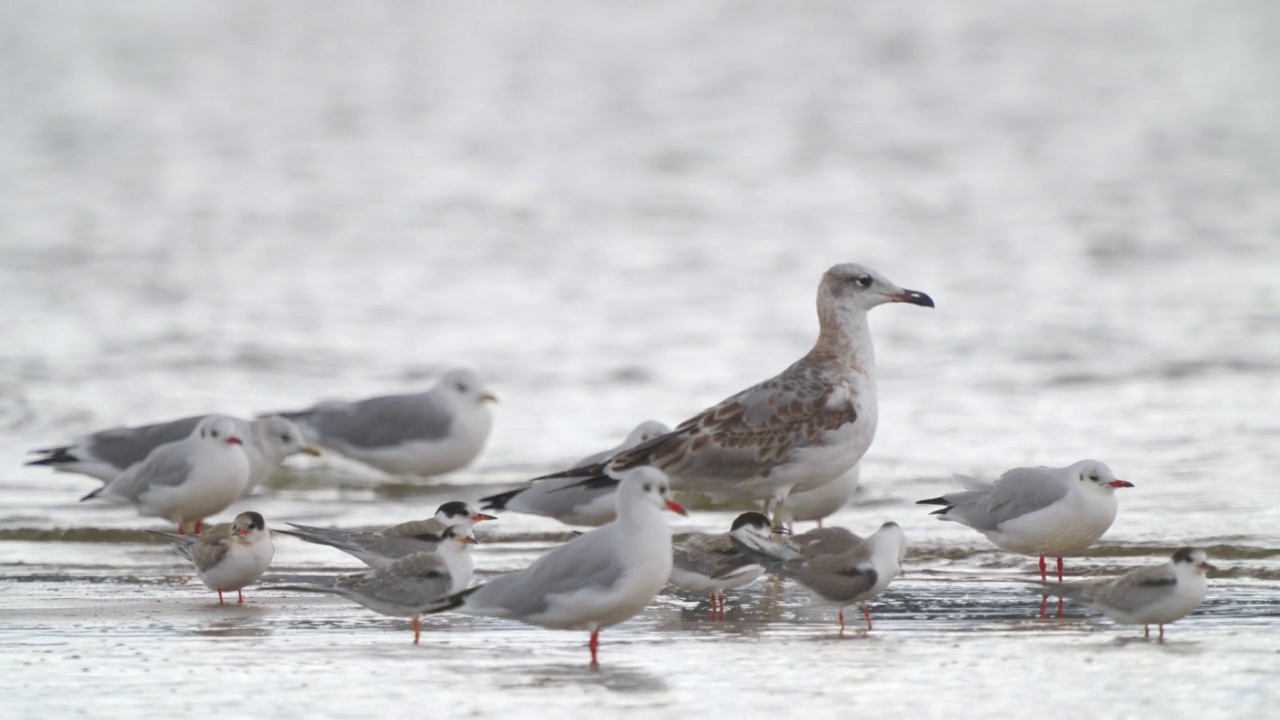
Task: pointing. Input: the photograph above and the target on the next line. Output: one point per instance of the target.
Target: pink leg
(240, 596)
(867, 614)
(1061, 607)
(417, 629)
(197, 530)
(594, 644)
(182, 528)
(1059, 569)
(1044, 606)
(219, 596)
(1043, 568)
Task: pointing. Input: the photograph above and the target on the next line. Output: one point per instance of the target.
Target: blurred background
(620, 211)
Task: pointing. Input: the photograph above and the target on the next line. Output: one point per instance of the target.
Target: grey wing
(714, 556)
(1018, 492)
(383, 421)
(414, 581)
(752, 432)
(557, 497)
(122, 447)
(825, 541)
(167, 465)
(580, 564)
(838, 578)
(1136, 589)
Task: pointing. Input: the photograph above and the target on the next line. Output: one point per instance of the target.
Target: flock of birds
(793, 442)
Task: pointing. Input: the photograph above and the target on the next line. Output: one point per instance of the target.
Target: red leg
(240, 597)
(182, 528)
(417, 629)
(219, 596)
(594, 644)
(1059, 569)
(1061, 609)
(840, 616)
(1044, 606)
(867, 614)
(1043, 576)
(197, 530)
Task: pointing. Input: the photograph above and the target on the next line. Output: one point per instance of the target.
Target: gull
(228, 556)
(596, 580)
(793, 432)
(426, 433)
(406, 586)
(107, 453)
(569, 499)
(1148, 595)
(1038, 510)
(189, 479)
(852, 575)
(820, 502)
(711, 563)
(381, 548)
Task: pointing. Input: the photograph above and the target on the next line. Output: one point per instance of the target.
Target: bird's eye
(1094, 477)
(647, 487)
(863, 280)
(285, 437)
(462, 387)
(213, 433)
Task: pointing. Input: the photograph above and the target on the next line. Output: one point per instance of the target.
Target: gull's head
(248, 524)
(456, 512)
(752, 524)
(648, 485)
(1192, 558)
(463, 385)
(220, 430)
(644, 432)
(1097, 475)
(890, 539)
(457, 538)
(282, 435)
(851, 287)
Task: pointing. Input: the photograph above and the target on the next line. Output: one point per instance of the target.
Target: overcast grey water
(621, 212)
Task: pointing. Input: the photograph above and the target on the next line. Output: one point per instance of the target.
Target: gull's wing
(825, 541)
(583, 564)
(168, 465)
(1018, 492)
(122, 447)
(380, 421)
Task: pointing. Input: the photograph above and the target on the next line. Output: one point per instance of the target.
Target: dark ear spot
(255, 521)
(750, 518)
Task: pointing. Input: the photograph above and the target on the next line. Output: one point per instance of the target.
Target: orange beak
(676, 507)
(478, 517)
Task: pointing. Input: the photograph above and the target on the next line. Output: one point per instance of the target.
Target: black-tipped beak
(915, 297)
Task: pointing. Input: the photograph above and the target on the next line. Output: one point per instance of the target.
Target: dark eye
(213, 433)
(462, 387)
(647, 487)
(1094, 477)
(863, 280)
(285, 437)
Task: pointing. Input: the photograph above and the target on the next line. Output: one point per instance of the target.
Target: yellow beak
(487, 396)
(311, 450)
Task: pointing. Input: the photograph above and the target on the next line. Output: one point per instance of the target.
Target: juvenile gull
(850, 576)
(380, 548)
(711, 563)
(1038, 510)
(793, 432)
(228, 556)
(569, 499)
(596, 580)
(426, 433)
(189, 479)
(1146, 596)
(107, 453)
(406, 586)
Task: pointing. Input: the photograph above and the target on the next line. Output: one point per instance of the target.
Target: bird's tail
(940, 500)
(181, 543)
(499, 501)
(319, 536)
(93, 494)
(53, 456)
(450, 602)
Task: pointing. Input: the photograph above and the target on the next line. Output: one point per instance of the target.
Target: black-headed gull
(426, 433)
(596, 580)
(107, 453)
(569, 499)
(712, 563)
(1149, 595)
(1040, 511)
(228, 556)
(189, 479)
(407, 586)
(798, 430)
(380, 548)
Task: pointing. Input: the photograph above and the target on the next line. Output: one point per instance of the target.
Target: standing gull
(1149, 595)
(228, 556)
(596, 580)
(107, 453)
(1038, 510)
(851, 575)
(574, 499)
(405, 587)
(711, 563)
(427, 433)
(380, 548)
(189, 479)
(793, 432)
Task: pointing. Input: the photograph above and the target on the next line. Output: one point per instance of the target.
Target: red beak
(233, 440)
(1120, 483)
(676, 507)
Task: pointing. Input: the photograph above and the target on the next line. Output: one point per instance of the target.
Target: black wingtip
(499, 501)
(452, 601)
(943, 511)
(93, 494)
(933, 501)
(54, 456)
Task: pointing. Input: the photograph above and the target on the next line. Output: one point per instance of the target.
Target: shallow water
(619, 215)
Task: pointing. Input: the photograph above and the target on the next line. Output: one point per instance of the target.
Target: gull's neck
(844, 340)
